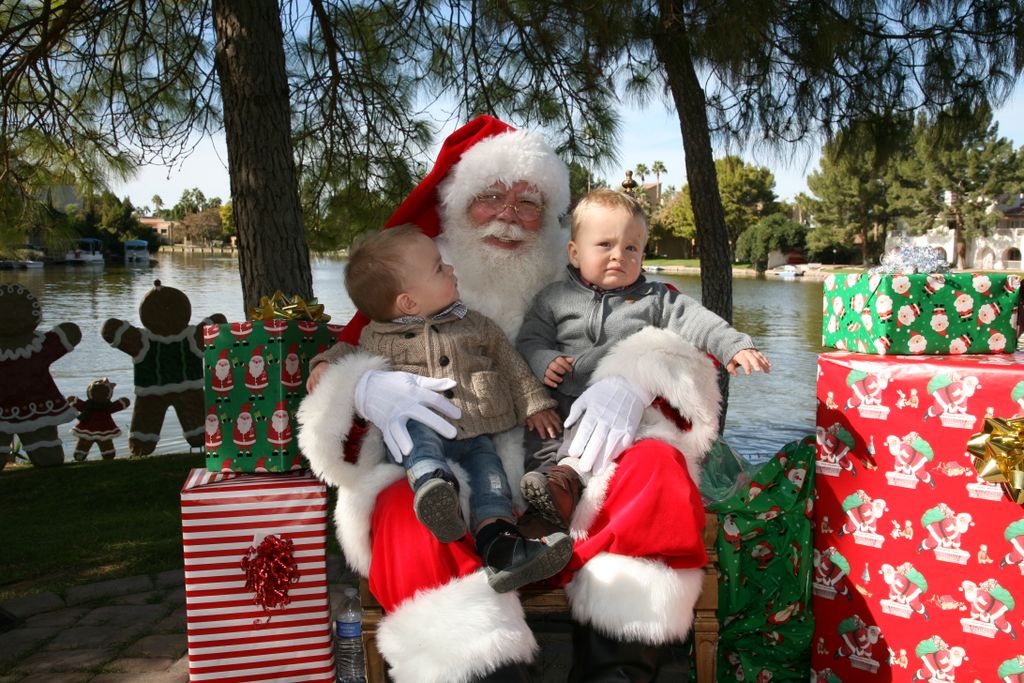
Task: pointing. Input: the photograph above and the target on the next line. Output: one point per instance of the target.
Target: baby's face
(429, 281)
(609, 247)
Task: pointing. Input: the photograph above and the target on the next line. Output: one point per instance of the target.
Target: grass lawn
(85, 522)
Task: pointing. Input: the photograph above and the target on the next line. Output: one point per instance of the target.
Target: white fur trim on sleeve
(665, 365)
(456, 633)
(325, 417)
(635, 599)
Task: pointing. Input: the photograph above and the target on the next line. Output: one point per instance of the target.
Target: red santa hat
(246, 408)
(258, 351)
(481, 153)
(212, 410)
(281, 405)
(293, 349)
(223, 355)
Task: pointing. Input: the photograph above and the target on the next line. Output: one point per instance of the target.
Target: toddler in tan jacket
(396, 277)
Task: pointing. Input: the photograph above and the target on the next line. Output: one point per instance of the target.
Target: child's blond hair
(608, 199)
(373, 276)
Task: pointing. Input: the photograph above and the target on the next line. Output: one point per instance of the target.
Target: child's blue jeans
(489, 492)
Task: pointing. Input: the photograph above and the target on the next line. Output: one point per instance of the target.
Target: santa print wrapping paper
(255, 379)
(921, 313)
(918, 562)
(232, 638)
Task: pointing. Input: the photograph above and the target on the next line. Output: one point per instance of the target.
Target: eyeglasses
(526, 209)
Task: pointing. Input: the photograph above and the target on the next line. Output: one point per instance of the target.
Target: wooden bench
(537, 603)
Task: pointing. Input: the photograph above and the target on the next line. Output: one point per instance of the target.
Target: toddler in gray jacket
(572, 323)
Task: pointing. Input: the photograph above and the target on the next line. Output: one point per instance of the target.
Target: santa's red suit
(636, 570)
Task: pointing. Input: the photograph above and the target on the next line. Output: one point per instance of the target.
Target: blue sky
(647, 135)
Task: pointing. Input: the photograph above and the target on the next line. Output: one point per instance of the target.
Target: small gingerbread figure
(95, 424)
(168, 356)
(31, 406)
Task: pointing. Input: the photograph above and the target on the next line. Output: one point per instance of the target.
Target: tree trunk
(672, 47)
(712, 237)
(272, 250)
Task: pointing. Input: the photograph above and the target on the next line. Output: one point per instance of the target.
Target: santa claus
(291, 370)
(256, 379)
(214, 439)
(279, 429)
(244, 435)
(221, 379)
(636, 570)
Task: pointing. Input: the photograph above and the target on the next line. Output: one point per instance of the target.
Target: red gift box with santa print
(256, 595)
(918, 561)
(256, 375)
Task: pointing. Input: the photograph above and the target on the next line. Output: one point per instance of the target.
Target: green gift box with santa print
(921, 313)
(255, 377)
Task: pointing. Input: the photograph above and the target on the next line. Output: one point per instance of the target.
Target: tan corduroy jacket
(495, 388)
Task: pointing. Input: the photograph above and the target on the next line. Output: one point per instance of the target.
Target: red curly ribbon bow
(270, 569)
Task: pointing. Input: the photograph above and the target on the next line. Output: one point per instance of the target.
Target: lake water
(765, 411)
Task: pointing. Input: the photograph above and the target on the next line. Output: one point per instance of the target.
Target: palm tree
(158, 204)
(642, 171)
(657, 168)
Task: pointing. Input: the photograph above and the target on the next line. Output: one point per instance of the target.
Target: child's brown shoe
(553, 493)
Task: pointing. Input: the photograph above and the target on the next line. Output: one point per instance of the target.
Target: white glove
(611, 409)
(390, 399)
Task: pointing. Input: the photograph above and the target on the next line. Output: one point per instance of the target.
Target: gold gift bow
(999, 454)
(277, 305)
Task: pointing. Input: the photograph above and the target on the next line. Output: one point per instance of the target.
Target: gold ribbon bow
(999, 455)
(277, 305)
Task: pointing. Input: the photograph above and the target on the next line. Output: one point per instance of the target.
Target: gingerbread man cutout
(168, 357)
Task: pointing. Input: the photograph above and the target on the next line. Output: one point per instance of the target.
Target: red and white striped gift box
(231, 638)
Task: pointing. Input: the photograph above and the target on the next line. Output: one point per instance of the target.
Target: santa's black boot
(597, 658)
(510, 673)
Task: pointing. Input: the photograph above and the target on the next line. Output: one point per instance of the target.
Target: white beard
(211, 425)
(222, 369)
(496, 282)
(291, 364)
(256, 366)
(279, 421)
(244, 423)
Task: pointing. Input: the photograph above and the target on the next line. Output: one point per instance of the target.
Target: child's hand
(546, 423)
(314, 376)
(751, 360)
(557, 369)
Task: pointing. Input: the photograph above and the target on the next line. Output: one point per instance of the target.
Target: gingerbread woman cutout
(95, 424)
(31, 406)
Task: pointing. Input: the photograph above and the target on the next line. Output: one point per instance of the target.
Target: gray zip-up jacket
(569, 318)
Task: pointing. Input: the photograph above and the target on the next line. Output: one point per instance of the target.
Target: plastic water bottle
(349, 663)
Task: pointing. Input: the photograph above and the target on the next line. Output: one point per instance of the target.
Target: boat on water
(786, 272)
(136, 252)
(86, 251)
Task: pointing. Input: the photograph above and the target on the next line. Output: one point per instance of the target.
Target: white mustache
(504, 231)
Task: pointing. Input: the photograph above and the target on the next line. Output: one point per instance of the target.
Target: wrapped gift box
(231, 636)
(255, 378)
(921, 313)
(764, 561)
(918, 562)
